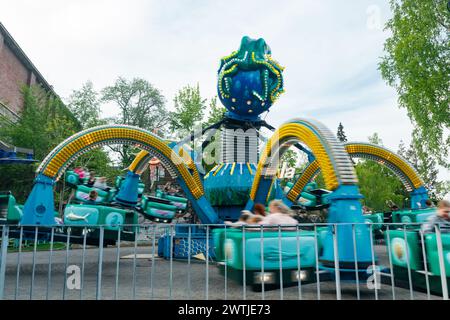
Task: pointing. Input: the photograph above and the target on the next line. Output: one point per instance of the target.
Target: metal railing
(158, 261)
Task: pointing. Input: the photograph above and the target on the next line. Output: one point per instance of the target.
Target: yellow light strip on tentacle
(141, 155)
(233, 67)
(97, 136)
(276, 63)
(382, 153)
(300, 184)
(302, 134)
(221, 76)
(275, 71)
(249, 168)
(232, 168)
(270, 190)
(233, 54)
(191, 165)
(211, 171)
(223, 71)
(358, 149)
(218, 169)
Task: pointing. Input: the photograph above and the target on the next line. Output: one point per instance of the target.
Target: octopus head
(249, 80)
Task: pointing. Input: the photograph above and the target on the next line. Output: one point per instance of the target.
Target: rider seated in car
(441, 218)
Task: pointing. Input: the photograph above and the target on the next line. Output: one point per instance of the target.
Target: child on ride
(243, 219)
(100, 183)
(79, 171)
(259, 209)
(280, 214)
(92, 197)
(441, 218)
(91, 181)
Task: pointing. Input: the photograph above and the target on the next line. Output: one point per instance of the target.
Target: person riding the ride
(280, 214)
(441, 218)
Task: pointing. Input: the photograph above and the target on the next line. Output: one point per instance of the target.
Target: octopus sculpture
(249, 80)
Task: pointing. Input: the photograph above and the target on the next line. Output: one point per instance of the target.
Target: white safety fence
(161, 261)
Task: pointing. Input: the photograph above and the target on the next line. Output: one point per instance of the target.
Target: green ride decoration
(111, 218)
(249, 80)
(10, 212)
(82, 194)
(432, 253)
(245, 250)
(179, 202)
(376, 219)
(73, 178)
(405, 247)
(412, 216)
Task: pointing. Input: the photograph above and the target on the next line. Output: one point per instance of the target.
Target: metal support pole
(441, 263)
(100, 264)
(4, 251)
(336, 263)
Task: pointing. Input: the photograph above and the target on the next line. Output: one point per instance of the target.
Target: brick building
(16, 70)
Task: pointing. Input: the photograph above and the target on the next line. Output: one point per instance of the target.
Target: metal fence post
(336, 262)
(374, 267)
(225, 266)
(441, 263)
(408, 264)
(391, 268)
(316, 250)
(244, 275)
(49, 276)
(100, 264)
(262, 263)
(424, 256)
(34, 262)
(189, 261)
(83, 257)
(299, 267)
(280, 257)
(19, 256)
(207, 263)
(67, 262)
(116, 285)
(171, 230)
(355, 256)
(152, 271)
(134, 265)
(4, 251)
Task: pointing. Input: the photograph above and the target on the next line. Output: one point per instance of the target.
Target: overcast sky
(331, 50)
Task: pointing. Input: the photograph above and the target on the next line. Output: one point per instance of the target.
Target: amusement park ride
(249, 83)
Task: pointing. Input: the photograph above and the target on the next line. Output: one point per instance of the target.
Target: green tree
(42, 125)
(292, 160)
(320, 181)
(189, 107)
(141, 105)
(290, 157)
(216, 112)
(417, 64)
(341, 134)
(402, 149)
(426, 167)
(85, 106)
